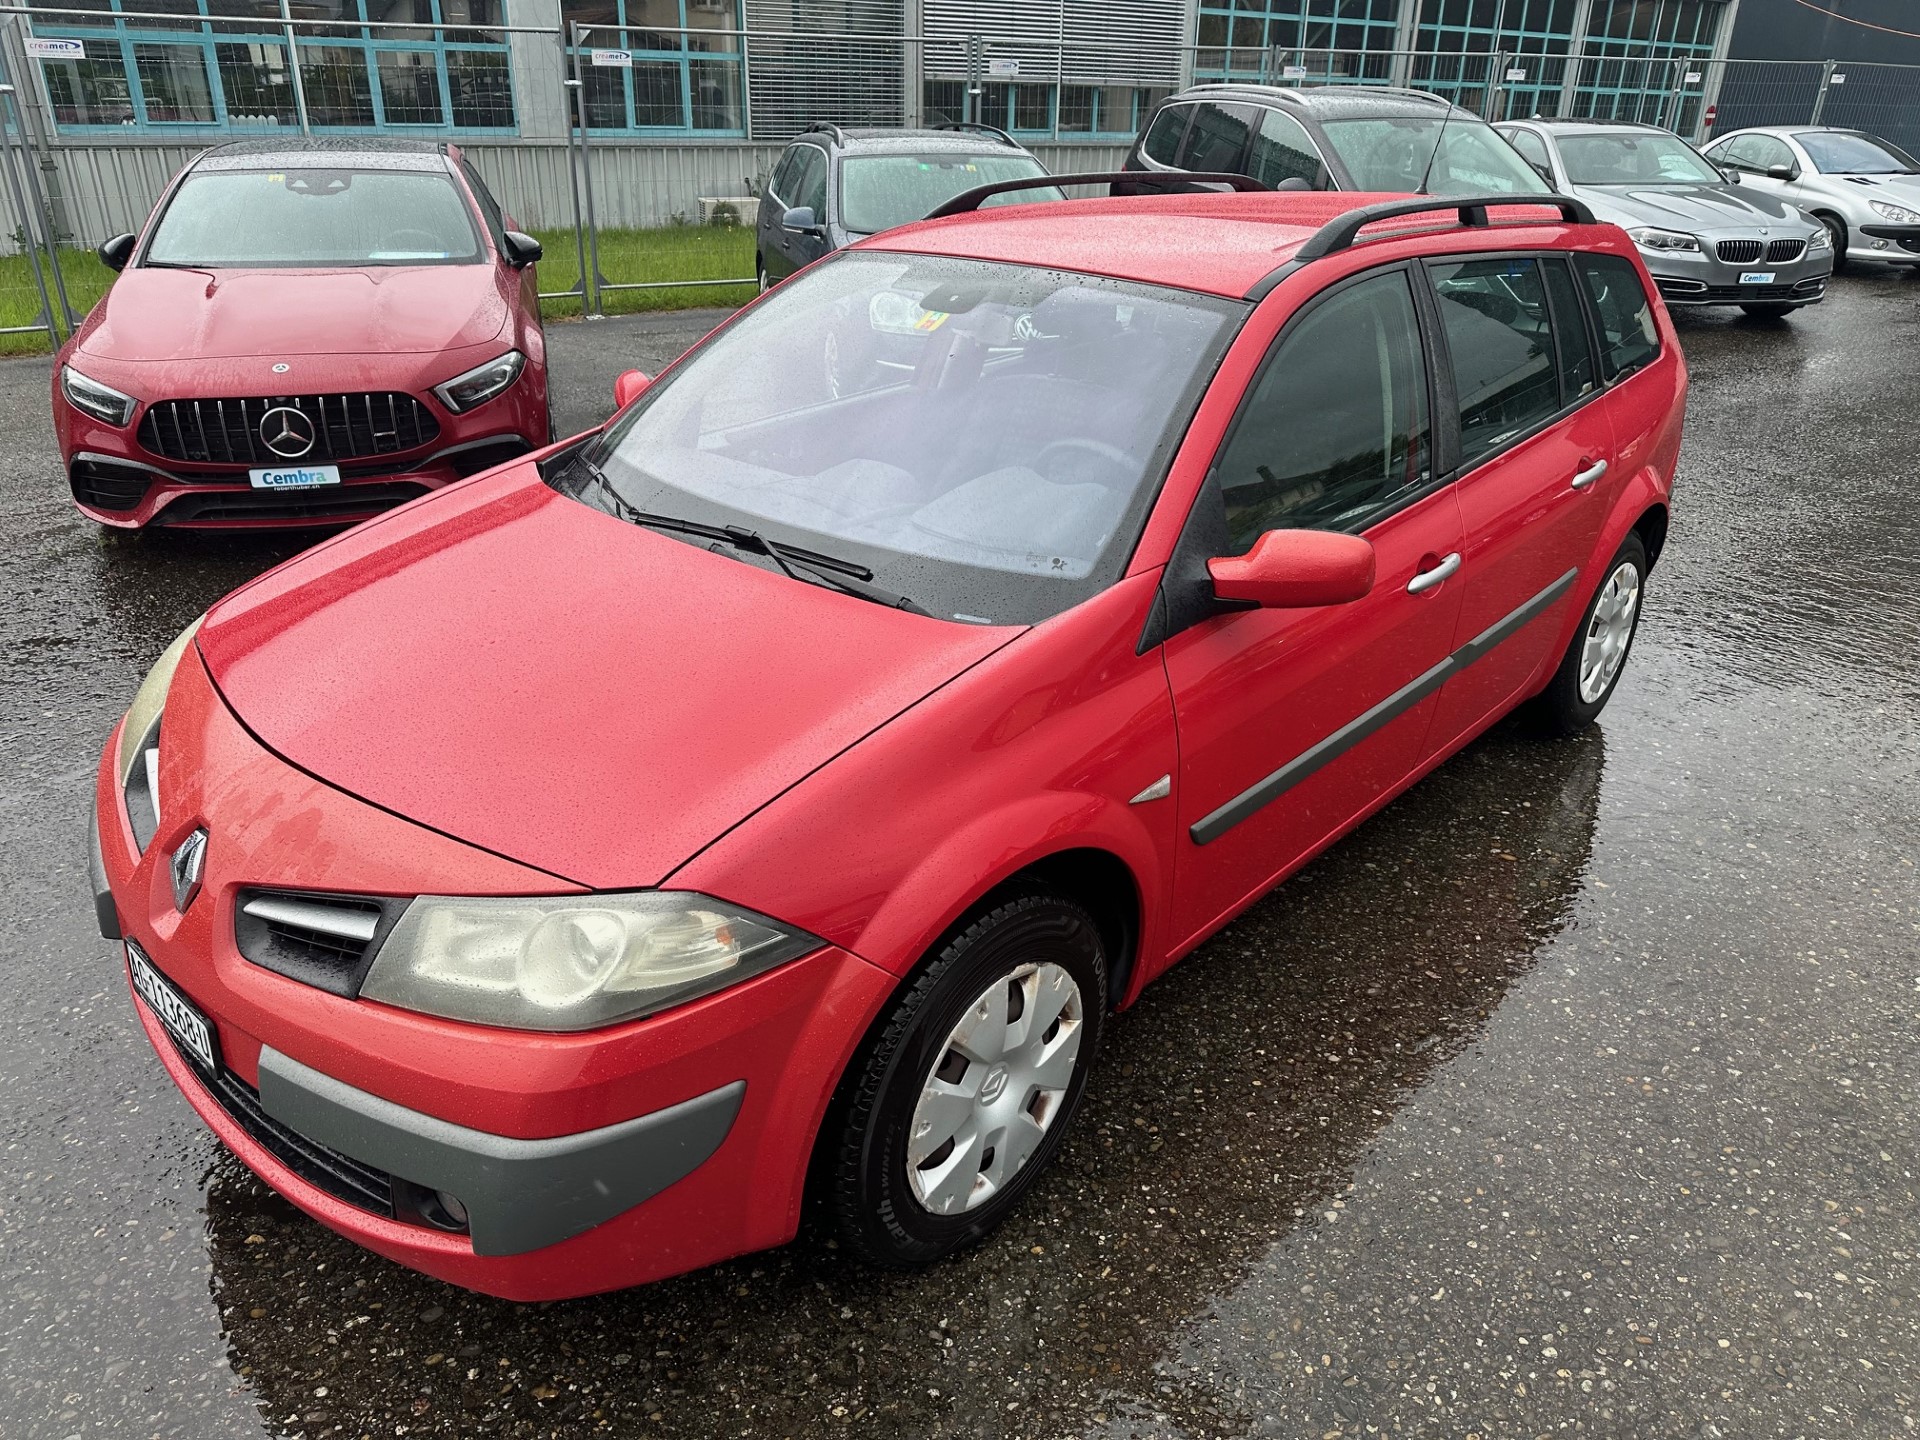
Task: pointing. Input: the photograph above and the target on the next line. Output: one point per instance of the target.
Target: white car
(1865, 190)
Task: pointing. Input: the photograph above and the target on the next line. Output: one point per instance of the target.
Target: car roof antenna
(1438, 140)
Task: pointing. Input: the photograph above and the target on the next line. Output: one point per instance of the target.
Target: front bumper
(1885, 241)
(1702, 278)
(585, 1162)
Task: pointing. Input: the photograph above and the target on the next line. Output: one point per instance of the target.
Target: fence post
(293, 68)
(27, 241)
(573, 177)
(42, 216)
(746, 85)
(976, 63)
(590, 277)
(1820, 101)
(1497, 88)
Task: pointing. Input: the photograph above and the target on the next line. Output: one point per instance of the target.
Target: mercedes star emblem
(281, 368)
(286, 432)
(188, 861)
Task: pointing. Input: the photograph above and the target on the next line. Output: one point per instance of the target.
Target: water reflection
(1238, 1096)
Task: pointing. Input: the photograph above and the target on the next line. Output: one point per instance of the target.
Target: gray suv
(834, 186)
(1706, 240)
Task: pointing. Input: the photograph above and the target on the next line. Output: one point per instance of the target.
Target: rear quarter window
(1217, 139)
(1628, 336)
(1163, 135)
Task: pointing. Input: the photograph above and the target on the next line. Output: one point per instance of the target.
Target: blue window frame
(1045, 110)
(1318, 42)
(1639, 55)
(687, 72)
(223, 66)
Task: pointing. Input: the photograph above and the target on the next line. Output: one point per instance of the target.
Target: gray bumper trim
(520, 1194)
(104, 913)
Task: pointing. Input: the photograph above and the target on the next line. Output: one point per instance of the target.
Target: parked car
(540, 885)
(305, 332)
(1331, 137)
(1706, 240)
(833, 186)
(1865, 190)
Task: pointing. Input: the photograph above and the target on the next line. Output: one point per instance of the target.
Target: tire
(1577, 694)
(760, 274)
(1836, 232)
(1769, 310)
(1008, 962)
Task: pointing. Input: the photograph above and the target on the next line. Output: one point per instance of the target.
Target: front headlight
(571, 962)
(1660, 241)
(90, 397)
(1899, 214)
(481, 383)
(1821, 239)
(140, 740)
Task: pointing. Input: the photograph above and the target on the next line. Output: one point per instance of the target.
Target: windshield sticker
(931, 320)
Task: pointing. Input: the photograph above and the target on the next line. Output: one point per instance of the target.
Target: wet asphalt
(1572, 1095)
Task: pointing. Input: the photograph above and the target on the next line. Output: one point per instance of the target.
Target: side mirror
(1295, 182)
(520, 249)
(115, 253)
(802, 221)
(1729, 174)
(629, 387)
(1296, 569)
(1543, 171)
(1783, 172)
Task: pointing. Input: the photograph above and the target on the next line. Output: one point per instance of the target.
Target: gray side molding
(520, 1195)
(104, 914)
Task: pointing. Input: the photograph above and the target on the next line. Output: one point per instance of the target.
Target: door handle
(1590, 475)
(1427, 579)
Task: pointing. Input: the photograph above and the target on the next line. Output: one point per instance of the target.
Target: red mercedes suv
(778, 789)
(307, 332)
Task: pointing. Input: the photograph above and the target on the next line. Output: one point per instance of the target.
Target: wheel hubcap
(1608, 631)
(995, 1089)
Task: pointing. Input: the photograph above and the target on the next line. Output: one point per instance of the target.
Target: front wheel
(1592, 666)
(960, 1101)
(760, 274)
(1769, 310)
(1837, 233)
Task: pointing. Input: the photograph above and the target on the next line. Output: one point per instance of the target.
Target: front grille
(1739, 252)
(327, 941)
(1782, 252)
(341, 1176)
(102, 486)
(325, 505)
(345, 427)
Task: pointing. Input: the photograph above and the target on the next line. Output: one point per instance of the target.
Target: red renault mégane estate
(775, 792)
(306, 332)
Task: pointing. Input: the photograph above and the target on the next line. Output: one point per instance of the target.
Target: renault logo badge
(188, 861)
(287, 432)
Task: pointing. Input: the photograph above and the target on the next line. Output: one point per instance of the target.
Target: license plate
(185, 1023)
(294, 477)
(1747, 277)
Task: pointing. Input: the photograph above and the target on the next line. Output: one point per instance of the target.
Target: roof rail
(829, 128)
(977, 128)
(970, 200)
(1340, 233)
(1594, 120)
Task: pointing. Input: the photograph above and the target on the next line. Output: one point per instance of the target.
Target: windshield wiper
(842, 575)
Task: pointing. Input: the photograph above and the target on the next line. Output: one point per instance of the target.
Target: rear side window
(1217, 138)
(1283, 151)
(1500, 335)
(1569, 333)
(1163, 136)
(1757, 152)
(1628, 336)
(1335, 432)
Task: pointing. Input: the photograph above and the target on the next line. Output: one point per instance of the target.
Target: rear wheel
(960, 1101)
(1597, 656)
(1769, 310)
(760, 274)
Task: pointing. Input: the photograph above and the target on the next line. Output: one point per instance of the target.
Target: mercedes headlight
(90, 397)
(1649, 238)
(137, 763)
(481, 383)
(571, 962)
(1899, 214)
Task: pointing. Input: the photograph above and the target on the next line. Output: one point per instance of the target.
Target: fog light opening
(455, 1212)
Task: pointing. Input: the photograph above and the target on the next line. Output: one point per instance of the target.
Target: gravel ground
(1572, 1095)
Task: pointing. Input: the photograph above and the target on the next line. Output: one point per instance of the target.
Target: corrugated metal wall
(106, 189)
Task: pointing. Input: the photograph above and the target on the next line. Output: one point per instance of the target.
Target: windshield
(878, 192)
(1635, 158)
(316, 217)
(1391, 155)
(1834, 152)
(985, 438)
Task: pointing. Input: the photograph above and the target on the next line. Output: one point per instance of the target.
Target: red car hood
(155, 314)
(523, 672)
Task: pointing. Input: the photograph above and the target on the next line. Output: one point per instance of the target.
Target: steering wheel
(422, 240)
(1111, 457)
